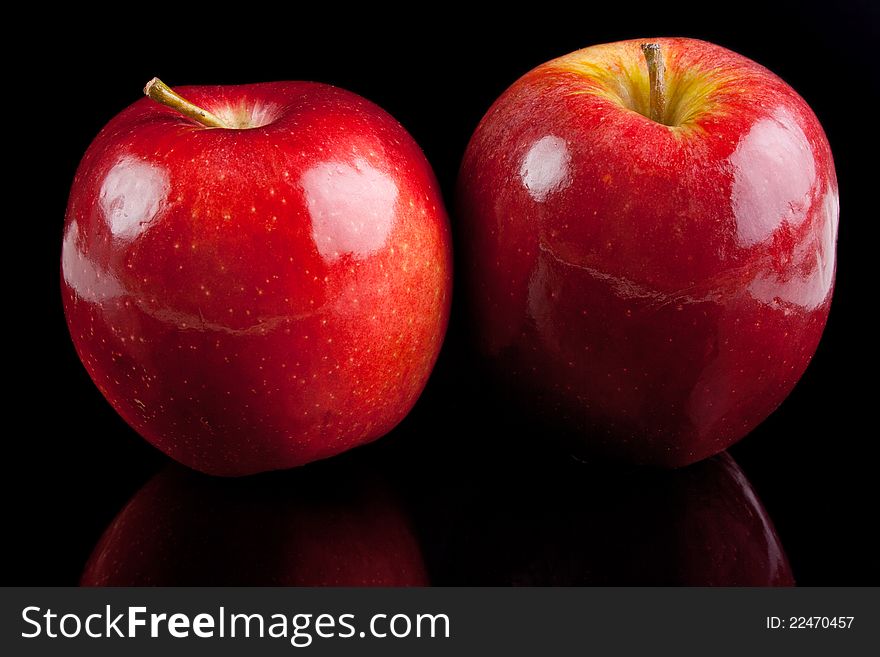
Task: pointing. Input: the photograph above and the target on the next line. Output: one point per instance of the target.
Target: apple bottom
(652, 379)
(235, 404)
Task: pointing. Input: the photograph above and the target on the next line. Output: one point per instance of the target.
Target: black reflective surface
(346, 523)
(486, 497)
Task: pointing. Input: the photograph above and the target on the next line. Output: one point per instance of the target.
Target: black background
(73, 463)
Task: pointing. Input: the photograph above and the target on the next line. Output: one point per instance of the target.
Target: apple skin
(585, 525)
(255, 299)
(656, 291)
(297, 528)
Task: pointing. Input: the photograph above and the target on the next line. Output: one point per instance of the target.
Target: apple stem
(162, 93)
(656, 80)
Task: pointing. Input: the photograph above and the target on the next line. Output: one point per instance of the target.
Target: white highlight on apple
(131, 196)
(545, 168)
(351, 206)
(815, 260)
(774, 174)
(83, 276)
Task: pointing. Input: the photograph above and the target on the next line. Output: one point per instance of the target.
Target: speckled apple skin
(655, 290)
(256, 299)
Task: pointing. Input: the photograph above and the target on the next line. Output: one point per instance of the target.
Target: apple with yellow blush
(649, 232)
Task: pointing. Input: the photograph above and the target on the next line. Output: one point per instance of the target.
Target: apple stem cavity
(162, 93)
(656, 81)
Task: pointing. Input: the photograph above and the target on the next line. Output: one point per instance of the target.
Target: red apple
(289, 529)
(262, 294)
(650, 253)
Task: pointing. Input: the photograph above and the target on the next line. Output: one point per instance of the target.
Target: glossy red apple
(299, 528)
(263, 294)
(650, 254)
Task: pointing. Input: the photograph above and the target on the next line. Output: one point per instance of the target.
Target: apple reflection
(578, 525)
(320, 526)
